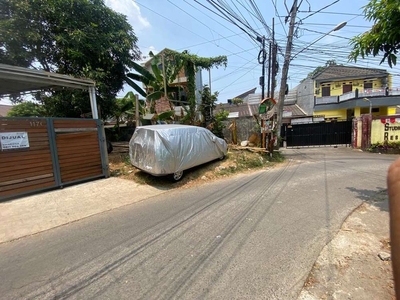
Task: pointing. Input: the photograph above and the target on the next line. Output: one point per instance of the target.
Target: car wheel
(177, 176)
(222, 157)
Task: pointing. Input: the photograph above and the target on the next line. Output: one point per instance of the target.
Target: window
(367, 85)
(326, 91)
(347, 88)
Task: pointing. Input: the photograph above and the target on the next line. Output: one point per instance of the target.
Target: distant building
(4, 109)
(181, 79)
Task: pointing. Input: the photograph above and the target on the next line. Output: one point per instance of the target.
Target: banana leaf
(155, 96)
(166, 115)
(136, 87)
(142, 71)
(157, 72)
(139, 77)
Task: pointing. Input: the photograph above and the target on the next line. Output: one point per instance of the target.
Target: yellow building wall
(357, 111)
(383, 111)
(337, 86)
(340, 114)
(391, 111)
(381, 131)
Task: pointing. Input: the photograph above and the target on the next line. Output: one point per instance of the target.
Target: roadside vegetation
(237, 161)
(386, 147)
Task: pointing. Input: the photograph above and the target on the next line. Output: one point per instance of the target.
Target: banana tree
(126, 107)
(154, 81)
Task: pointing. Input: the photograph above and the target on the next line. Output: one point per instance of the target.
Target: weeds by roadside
(236, 161)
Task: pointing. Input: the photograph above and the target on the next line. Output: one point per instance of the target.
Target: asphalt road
(252, 237)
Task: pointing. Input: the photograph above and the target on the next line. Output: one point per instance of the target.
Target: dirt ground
(350, 267)
(237, 161)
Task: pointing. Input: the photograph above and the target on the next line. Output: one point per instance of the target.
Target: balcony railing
(326, 100)
(347, 96)
(371, 93)
(359, 94)
(394, 92)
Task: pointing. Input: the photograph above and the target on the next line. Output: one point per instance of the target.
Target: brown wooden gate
(26, 169)
(43, 153)
(78, 149)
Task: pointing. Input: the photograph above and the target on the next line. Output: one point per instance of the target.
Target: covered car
(170, 149)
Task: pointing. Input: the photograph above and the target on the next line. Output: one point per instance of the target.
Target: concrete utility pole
(273, 69)
(285, 68)
(262, 81)
(269, 70)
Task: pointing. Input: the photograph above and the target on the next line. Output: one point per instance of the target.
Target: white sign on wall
(301, 121)
(14, 140)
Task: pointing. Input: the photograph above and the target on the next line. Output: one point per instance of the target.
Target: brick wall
(162, 105)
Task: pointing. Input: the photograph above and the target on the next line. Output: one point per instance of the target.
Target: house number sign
(14, 140)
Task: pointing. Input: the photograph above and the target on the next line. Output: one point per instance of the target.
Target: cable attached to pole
(262, 56)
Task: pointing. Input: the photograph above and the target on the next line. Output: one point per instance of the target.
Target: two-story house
(340, 92)
(181, 80)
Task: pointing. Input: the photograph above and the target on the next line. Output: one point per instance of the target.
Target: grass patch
(277, 157)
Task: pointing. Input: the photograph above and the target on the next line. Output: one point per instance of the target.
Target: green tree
(217, 127)
(174, 62)
(207, 106)
(319, 69)
(237, 101)
(125, 108)
(83, 38)
(192, 63)
(27, 109)
(153, 82)
(384, 36)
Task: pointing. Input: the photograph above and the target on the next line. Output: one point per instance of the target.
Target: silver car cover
(170, 148)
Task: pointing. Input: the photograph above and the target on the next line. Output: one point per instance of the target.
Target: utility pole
(269, 70)
(285, 68)
(273, 68)
(262, 83)
(262, 79)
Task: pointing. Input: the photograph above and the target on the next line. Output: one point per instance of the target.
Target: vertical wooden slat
(78, 136)
(60, 151)
(29, 168)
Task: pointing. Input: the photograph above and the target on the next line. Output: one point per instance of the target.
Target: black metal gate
(317, 134)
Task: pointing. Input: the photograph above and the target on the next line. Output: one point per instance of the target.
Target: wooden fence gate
(37, 154)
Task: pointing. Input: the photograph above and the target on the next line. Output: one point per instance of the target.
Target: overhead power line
(238, 79)
(252, 41)
(202, 22)
(319, 10)
(144, 6)
(329, 12)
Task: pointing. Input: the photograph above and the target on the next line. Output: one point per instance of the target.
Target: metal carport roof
(17, 79)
